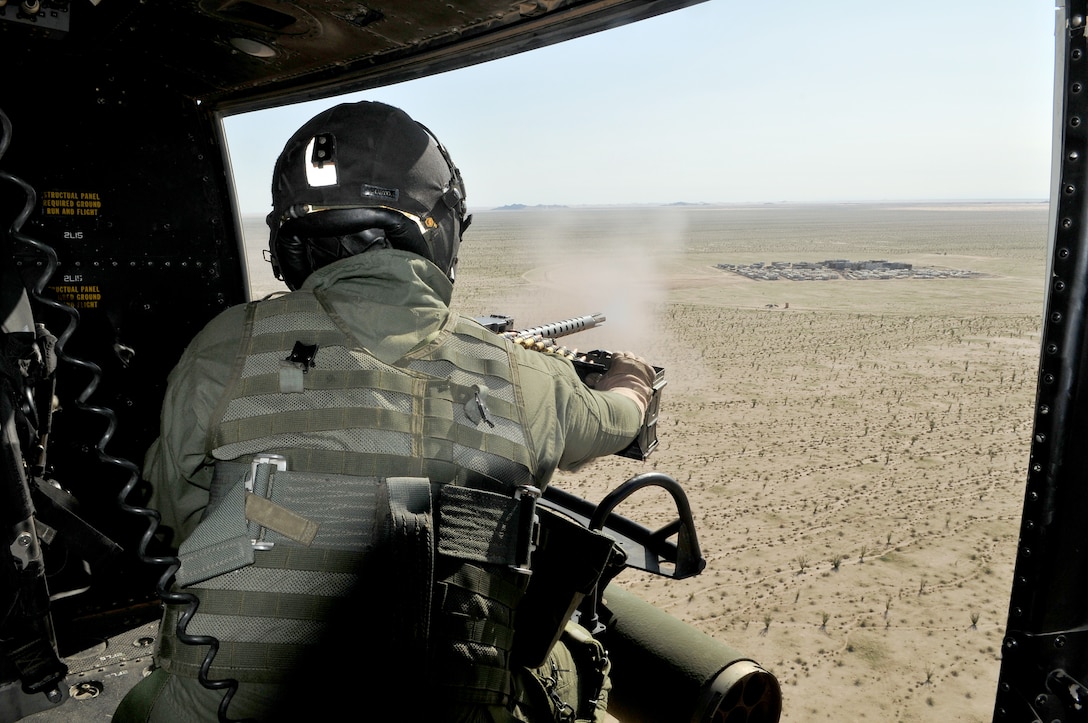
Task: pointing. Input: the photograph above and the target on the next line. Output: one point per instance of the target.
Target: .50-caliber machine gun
(663, 669)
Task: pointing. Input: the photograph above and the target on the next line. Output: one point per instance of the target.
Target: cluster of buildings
(841, 269)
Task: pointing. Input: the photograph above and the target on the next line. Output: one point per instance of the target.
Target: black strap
(410, 548)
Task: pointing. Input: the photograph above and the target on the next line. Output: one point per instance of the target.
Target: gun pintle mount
(589, 365)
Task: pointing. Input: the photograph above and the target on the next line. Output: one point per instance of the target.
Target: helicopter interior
(116, 196)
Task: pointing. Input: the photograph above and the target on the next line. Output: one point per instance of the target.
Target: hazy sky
(737, 102)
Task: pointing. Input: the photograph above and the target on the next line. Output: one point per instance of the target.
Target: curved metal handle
(685, 554)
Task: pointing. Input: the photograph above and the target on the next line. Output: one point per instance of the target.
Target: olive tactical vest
(447, 411)
(411, 476)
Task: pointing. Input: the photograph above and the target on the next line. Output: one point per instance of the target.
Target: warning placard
(78, 296)
(71, 203)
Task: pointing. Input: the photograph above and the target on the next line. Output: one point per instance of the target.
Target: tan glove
(630, 376)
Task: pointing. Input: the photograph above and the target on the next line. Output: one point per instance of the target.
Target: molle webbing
(245, 620)
(448, 410)
(279, 606)
(270, 615)
(245, 662)
(474, 634)
(483, 548)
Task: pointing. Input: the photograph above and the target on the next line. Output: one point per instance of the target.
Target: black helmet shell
(382, 158)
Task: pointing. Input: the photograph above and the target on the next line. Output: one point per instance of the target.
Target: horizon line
(736, 204)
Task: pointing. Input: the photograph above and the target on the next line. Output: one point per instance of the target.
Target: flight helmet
(359, 176)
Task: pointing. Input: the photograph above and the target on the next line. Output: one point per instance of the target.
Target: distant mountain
(522, 207)
(540, 206)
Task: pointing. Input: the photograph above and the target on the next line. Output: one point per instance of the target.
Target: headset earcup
(304, 244)
(292, 257)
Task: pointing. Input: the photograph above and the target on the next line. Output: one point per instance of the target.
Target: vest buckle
(256, 482)
(256, 470)
(528, 528)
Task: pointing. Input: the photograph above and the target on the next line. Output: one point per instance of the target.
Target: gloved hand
(630, 376)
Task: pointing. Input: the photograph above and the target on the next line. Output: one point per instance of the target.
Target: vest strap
(487, 527)
(245, 662)
(268, 514)
(284, 557)
(247, 603)
(411, 548)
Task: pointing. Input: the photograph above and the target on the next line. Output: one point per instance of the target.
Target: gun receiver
(589, 365)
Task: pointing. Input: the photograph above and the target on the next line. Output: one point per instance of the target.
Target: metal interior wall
(133, 196)
(1045, 650)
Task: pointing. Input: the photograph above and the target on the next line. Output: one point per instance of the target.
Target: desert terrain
(855, 451)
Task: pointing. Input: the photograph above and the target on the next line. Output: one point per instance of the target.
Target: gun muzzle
(667, 671)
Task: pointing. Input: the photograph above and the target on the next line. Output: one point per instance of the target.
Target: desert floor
(855, 451)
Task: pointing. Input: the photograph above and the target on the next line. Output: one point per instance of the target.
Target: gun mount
(703, 679)
(664, 670)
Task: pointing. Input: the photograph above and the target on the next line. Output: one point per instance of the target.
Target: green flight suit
(391, 304)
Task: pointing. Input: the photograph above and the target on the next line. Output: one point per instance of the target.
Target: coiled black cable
(154, 519)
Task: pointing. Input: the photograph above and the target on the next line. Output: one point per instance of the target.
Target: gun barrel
(565, 327)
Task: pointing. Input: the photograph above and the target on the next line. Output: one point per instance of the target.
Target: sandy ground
(855, 453)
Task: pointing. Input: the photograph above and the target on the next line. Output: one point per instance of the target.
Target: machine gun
(589, 365)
